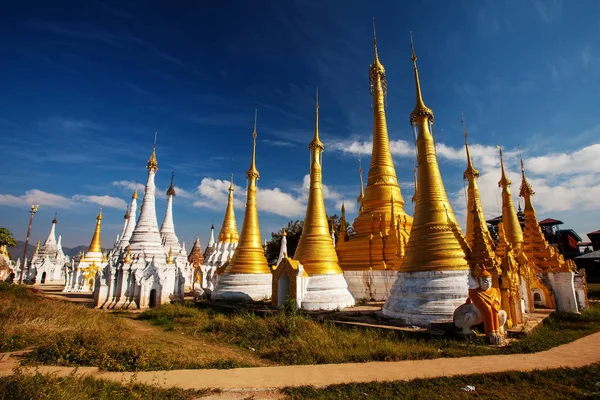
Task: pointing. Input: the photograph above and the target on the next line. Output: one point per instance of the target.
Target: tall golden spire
(315, 249)
(482, 252)
(435, 241)
(362, 252)
(96, 244)
(152, 162)
(249, 255)
(229, 232)
(473, 198)
(512, 228)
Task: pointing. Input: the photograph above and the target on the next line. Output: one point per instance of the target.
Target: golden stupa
(368, 248)
(315, 250)
(229, 232)
(432, 280)
(249, 255)
(510, 220)
(478, 237)
(436, 241)
(545, 258)
(96, 244)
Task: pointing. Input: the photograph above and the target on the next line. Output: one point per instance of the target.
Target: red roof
(594, 233)
(550, 221)
(584, 244)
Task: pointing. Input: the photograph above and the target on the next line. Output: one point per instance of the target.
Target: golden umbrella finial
(421, 110)
(152, 162)
(471, 170)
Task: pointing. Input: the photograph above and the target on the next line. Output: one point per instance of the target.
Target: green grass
(20, 386)
(293, 338)
(594, 291)
(563, 383)
(62, 333)
(558, 329)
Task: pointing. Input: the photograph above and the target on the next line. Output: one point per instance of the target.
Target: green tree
(294, 231)
(7, 238)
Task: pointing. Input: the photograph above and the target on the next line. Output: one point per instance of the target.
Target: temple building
(313, 279)
(371, 257)
(49, 263)
(432, 280)
(557, 273)
(246, 276)
(146, 273)
(223, 250)
(82, 278)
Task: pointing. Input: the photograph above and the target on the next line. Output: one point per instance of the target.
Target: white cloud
(557, 191)
(586, 160)
(106, 201)
(36, 196)
(213, 193)
(399, 148)
(277, 202)
(128, 185)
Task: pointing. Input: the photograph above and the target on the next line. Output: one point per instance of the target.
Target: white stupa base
(370, 285)
(243, 287)
(327, 292)
(426, 298)
(563, 286)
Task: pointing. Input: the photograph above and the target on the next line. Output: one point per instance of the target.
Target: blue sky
(86, 84)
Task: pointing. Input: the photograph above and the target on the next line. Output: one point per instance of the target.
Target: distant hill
(17, 252)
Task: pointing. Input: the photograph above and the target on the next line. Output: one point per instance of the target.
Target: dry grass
(292, 338)
(70, 334)
(48, 386)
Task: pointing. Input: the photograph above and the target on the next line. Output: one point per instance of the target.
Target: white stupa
(48, 264)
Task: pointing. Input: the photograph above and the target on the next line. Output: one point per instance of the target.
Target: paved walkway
(579, 353)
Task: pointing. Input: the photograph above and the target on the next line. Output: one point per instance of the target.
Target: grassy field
(564, 383)
(292, 338)
(177, 336)
(63, 333)
(594, 291)
(20, 386)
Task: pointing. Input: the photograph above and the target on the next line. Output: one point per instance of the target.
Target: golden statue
(89, 275)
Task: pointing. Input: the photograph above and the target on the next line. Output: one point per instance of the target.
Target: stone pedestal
(426, 298)
(243, 287)
(370, 285)
(327, 292)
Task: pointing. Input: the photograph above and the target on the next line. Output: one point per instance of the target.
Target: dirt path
(579, 353)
